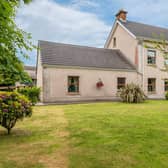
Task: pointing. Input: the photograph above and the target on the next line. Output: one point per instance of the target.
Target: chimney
(122, 15)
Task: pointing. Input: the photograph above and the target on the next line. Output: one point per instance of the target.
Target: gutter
(88, 68)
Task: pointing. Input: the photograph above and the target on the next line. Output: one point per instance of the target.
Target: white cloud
(147, 11)
(84, 3)
(47, 20)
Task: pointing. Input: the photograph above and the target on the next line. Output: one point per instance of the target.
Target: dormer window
(151, 54)
(114, 42)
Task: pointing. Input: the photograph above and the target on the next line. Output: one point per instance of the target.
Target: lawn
(97, 135)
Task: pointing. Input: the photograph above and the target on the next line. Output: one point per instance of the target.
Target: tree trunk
(9, 131)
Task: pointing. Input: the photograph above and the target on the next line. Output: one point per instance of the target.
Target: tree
(13, 107)
(13, 43)
(27, 1)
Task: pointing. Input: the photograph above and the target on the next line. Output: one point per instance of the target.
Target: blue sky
(84, 22)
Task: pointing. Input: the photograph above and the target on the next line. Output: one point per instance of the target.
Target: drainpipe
(143, 66)
(141, 62)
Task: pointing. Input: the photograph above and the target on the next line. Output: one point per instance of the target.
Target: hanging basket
(99, 84)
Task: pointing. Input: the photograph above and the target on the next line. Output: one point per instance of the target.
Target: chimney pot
(122, 15)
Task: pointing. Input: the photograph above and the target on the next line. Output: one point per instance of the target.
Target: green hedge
(32, 93)
(13, 107)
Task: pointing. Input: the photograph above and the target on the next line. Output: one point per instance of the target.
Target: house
(77, 73)
(131, 38)
(31, 70)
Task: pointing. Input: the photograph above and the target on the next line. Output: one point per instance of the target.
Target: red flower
(99, 84)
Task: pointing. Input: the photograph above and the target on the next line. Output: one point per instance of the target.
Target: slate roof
(144, 30)
(72, 55)
(26, 67)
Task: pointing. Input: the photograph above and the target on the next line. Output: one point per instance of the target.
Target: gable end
(113, 30)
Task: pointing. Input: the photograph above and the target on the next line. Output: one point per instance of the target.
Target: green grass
(119, 135)
(37, 142)
(97, 135)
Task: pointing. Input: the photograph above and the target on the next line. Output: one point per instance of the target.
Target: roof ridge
(146, 31)
(145, 24)
(78, 46)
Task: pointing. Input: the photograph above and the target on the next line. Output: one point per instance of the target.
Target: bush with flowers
(13, 107)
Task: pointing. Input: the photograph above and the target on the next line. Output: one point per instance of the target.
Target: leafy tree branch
(13, 43)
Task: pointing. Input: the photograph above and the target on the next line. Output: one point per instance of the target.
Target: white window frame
(153, 62)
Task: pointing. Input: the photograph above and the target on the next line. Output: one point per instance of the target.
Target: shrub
(132, 93)
(166, 95)
(13, 107)
(32, 93)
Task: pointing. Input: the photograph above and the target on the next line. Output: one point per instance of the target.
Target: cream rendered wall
(128, 45)
(157, 72)
(40, 75)
(55, 85)
(125, 42)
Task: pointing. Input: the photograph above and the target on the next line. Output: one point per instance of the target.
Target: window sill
(164, 69)
(150, 93)
(152, 65)
(73, 94)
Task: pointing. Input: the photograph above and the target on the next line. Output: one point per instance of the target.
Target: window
(151, 84)
(73, 84)
(151, 57)
(120, 82)
(166, 62)
(166, 85)
(114, 42)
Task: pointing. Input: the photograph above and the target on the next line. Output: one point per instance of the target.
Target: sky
(84, 22)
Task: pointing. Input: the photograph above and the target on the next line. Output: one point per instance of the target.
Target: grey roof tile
(26, 67)
(144, 30)
(72, 55)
